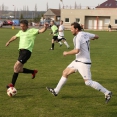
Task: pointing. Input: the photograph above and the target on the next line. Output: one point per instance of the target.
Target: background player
(61, 34)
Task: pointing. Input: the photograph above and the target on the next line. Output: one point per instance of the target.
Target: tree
(21, 16)
(47, 5)
(59, 6)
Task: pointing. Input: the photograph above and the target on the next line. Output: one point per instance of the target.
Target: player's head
(61, 22)
(52, 23)
(75, 28)
(24, 25)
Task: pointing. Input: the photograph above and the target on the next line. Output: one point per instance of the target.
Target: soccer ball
(11, 91)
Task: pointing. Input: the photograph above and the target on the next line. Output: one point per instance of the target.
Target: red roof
(108, 4)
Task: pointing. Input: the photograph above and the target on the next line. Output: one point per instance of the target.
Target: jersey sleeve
(18, 34)
(34, 31)
(77, 43)
(91, 36)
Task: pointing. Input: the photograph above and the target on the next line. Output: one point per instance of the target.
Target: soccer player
(27, 37)
(61, 34)
(82, 62)
(54, 32)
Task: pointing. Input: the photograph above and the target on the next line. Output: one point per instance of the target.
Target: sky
(42, 4)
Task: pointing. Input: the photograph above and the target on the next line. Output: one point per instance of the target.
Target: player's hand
(64, 53)
(46, 25)
(7, 44)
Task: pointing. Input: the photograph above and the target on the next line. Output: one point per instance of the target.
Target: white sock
(97, 86)
(60, 42)
(62, 81)
(65, 42)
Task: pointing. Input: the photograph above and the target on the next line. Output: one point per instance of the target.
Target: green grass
(75, 99)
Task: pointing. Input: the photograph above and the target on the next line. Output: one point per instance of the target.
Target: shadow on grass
(23, 96)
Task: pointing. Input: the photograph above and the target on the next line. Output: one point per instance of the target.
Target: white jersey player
(82, 62)
(61, 35)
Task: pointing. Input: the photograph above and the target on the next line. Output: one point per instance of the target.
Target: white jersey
(82, 41)
(61, 27)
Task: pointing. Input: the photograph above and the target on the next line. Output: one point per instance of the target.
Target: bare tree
(35, 13)
(59, 6)
(47, 6)
(75, 6)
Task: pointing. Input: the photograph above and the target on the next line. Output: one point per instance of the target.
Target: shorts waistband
(83, 62)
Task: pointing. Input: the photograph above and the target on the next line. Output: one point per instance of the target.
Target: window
(109, 4)
(107, 21)
(78, 20)
(66, 19)
(115, 21)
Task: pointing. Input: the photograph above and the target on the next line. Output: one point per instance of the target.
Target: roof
(56, 11)
(108, 4)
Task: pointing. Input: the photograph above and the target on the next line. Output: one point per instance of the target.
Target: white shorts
(61, 37)
(82, 68)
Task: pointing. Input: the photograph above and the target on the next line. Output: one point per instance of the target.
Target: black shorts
(24, 55)
(55, 38)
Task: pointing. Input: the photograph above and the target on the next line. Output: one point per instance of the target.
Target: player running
(82, 62)
(27, 37)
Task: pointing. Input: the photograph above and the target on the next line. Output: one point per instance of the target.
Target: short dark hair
(76, 25)
(24, 22)
(62, 21)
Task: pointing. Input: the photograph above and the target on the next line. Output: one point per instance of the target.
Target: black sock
(27, 71)
(14, 78)
(52, 45)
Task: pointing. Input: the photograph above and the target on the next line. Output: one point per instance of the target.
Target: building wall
(90, 18)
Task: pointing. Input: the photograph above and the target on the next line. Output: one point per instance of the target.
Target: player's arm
(12, 39)
(60, 30)
(95, 37)
(44, 28)
(72, 52)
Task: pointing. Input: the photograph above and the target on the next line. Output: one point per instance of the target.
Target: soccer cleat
(9, 85)
(108, 97)
(34, 74)
(52, 91)
(61, 45)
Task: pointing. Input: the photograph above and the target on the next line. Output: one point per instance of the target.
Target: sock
(14, 78)
(97, 86)
(60, 42)
(65, 42)
(27, 71)
(52, 45)
(62, 81)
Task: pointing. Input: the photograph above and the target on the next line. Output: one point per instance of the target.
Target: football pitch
(75, 99)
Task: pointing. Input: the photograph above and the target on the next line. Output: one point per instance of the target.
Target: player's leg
(63, 79)
(52, 48)
(65, 42)
(69, 70)
(24, 55)
(84, 70)
(23, 58)
(59, 41)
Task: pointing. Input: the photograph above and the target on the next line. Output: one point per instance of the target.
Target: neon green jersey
(54, 30)
(27, 38)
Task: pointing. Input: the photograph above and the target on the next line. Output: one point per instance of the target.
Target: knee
(88, 82)
(16, 70)
(65, 74)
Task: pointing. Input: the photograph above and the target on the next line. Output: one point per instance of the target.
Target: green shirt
(54, 30)
(27, 38)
